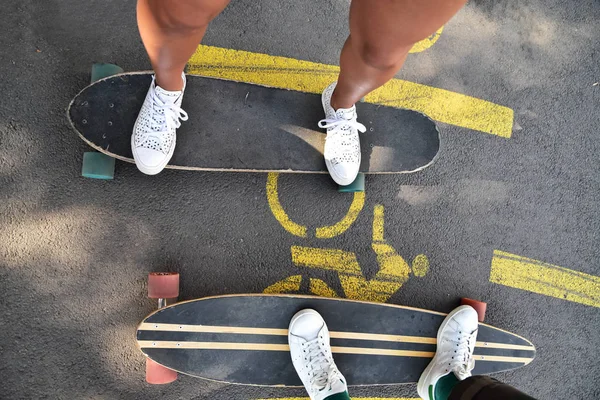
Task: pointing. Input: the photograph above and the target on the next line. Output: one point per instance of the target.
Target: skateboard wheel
(103, 70)
(163, 285)
(357, 186)
(156, 374)
(479, 306)
(97, 166)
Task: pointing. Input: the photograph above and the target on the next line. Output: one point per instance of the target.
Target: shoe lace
(319, 365)
(339, 129)
(462, 361)
(339, 124)
(170, 117)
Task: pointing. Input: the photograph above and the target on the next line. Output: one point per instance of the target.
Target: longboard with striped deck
(242, 339)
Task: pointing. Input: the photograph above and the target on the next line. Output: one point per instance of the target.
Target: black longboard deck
(242, 339)
(245, 127)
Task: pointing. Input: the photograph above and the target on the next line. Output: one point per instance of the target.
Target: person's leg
(453, 359)
(381, 34)
(448, 375)
(171, 31)
(485, 388)
(308, 338)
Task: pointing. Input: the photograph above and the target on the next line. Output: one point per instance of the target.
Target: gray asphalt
(74, 253)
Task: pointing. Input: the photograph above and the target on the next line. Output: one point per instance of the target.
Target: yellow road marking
(427, 42)
(320, 288)
(325, 232)
(305, 76)
(393, 272)
(332, 259)
(378, 223)
(420, 265)
(392, 275)
(547, 279)
(328, 232)
(277, 209)
(287, 285)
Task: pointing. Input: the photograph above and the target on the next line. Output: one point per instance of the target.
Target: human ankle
(169, 82)
(337, 102)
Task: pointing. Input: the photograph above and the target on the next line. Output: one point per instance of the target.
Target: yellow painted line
(393, 272)
(547, 279)
(378, 223)
(420, 265)
(305, 76)
(328, 232)
(427, 42)
(147, 326)
(325, 232)
(320, 288)
(331, 259)
(287, 285)
(278, 211)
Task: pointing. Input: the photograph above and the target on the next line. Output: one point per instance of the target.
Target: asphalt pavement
(75, 252)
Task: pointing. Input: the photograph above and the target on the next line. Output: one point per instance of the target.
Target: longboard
(237, 126)
(242, 339)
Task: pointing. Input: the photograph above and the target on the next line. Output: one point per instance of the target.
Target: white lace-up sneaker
(455, 344)
(154, 137)
(342, 146)
(311, 354)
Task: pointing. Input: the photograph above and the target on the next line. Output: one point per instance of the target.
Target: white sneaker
(455, 344)
(311, 354)
(342, 146)
(153, 139)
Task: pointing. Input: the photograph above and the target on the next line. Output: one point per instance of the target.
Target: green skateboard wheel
(357, 186)
(98, 166)
(104, 70)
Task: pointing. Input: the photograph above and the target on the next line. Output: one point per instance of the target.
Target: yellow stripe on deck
(353, 398)
(165, 327)
(368, 351)
(547, 279)
(305, 76)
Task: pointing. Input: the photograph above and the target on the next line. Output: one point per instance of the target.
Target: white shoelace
(341, 129)
(172, 115)
(339, 123)
(462, 360)
(318, 364)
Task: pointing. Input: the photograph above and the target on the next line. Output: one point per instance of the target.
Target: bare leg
(381, 34)
(171, 31)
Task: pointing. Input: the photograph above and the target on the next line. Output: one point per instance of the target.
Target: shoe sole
(423, 389)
